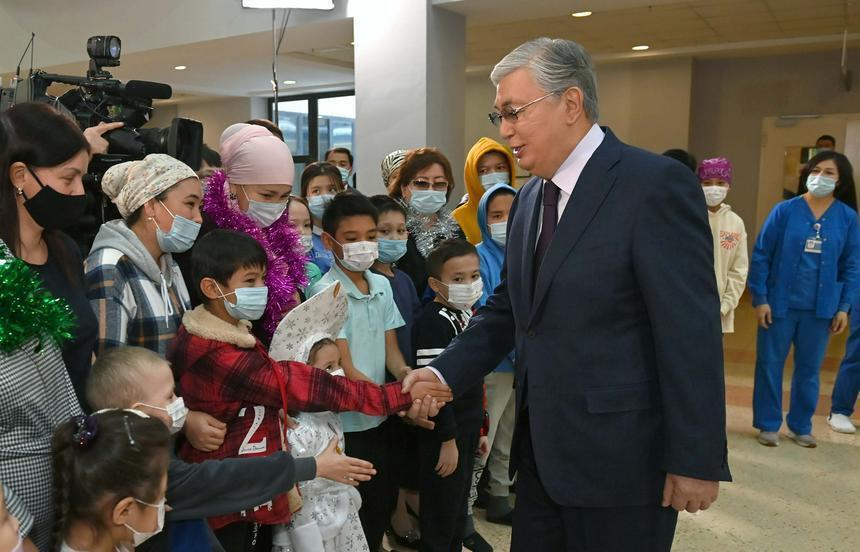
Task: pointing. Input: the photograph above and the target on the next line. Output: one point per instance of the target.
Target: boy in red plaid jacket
(225, 371)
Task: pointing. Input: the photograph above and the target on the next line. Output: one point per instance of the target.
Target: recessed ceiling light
(581, 14)
(180, 67)
(289, 82)
(640, 48)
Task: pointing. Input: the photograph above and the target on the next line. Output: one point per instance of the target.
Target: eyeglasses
(511, 114)
(420, 184)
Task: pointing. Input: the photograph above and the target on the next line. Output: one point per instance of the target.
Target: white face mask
(499, 232)
(264, 213)
(714, 195)
(177, 412)
(358, 256)
(307, 242)
(141, 537)
(491, 179)
(463, 296)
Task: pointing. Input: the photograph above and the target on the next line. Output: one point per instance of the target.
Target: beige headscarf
(129, 185)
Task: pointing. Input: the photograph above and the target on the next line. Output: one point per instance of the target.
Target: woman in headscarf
(251, 195)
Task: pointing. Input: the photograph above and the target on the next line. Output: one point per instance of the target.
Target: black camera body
(98, 97)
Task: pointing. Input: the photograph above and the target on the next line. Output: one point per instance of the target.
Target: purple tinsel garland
(286, 271)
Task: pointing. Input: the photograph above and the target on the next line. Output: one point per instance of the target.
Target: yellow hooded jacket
(467, 214)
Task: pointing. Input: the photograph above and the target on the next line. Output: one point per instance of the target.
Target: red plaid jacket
(226, 372)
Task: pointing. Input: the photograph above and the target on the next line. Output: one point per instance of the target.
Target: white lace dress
(328, 520)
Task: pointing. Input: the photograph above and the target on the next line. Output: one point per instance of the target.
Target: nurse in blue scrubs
(804, 272)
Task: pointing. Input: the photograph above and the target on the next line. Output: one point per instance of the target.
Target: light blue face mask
(344, 174)
(499, 233)
(181, 236)
(263, 212)
(428, 202)
(491, 179)
(318, 203)
(250, 302)
(390, 251)
(820, 185)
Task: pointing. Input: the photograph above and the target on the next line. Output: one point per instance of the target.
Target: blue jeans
(847, 385)
(809, 336)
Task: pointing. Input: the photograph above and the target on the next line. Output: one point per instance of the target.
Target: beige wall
(731, 97)
(215, 114)
(646, 104)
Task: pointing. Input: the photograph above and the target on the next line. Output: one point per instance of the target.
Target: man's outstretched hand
(428, 396)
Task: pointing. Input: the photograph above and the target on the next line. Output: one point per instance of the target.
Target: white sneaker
(841, 423)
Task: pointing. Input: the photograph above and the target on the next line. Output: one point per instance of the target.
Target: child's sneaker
(841, 423)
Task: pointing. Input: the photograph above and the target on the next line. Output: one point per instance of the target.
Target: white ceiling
(228, 49)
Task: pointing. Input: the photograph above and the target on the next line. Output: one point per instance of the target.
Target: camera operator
(43, 157)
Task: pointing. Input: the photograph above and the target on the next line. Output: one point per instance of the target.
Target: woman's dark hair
(844, 187)
(344, 205)
(416, 161)
(38, 136)
(110, 455)
(322, 168)
(384, 204)
(210, 156)
(220, 253)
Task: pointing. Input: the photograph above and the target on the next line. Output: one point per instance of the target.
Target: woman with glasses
(424, 186)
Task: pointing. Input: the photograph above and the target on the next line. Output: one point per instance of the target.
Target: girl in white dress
(328, 519)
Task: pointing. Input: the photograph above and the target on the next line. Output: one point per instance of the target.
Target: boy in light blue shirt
(367, 343)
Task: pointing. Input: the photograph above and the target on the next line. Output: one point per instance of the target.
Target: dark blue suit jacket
(619, 356)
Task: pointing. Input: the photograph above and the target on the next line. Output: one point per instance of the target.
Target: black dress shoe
(476, 543)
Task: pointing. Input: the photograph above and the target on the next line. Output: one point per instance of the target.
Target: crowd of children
(249, 340)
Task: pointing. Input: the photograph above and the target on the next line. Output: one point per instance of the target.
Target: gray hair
(556, 65)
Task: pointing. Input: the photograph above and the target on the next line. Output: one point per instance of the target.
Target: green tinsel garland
(26, 309)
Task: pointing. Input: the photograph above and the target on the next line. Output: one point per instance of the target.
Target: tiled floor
(786, 499)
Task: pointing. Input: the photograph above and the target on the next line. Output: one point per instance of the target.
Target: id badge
(813, 245)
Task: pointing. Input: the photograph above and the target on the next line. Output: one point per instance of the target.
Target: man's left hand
(688, 493)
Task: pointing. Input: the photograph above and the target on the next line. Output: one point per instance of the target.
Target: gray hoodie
(137, 301)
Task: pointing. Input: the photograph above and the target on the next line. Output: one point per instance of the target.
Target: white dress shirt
(566, 178)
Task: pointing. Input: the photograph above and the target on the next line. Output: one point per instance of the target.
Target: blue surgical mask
(499, 233)
(491, 179)
(428, 202)
(263, 212)
(181, 236)
(390, 251)
(344, 174)
(250, 302)
(318, 203)
(820, 185)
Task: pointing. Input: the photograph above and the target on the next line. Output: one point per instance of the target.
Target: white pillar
(410, 69)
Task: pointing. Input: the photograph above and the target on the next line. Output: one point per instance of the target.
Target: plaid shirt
(132, 309)
(245, 388)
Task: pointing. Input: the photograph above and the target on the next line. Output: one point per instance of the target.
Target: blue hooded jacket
(492, 257)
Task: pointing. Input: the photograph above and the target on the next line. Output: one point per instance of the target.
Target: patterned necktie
(548, 221)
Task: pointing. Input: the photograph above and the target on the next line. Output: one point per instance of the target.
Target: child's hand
(204, 432)
(484, 446)
(342, 469)
(447, 458)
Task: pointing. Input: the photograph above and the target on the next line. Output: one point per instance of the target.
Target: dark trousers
(245, 537)
(378, 495)
(444, 499)
(541, 524)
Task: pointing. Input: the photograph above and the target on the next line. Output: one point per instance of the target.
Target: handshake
(429, 395)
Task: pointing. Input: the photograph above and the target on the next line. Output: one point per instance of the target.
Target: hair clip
(128, 434)
(87, 429)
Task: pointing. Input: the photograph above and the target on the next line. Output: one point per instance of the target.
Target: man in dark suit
(609, 298)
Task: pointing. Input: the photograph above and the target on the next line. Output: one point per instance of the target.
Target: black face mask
(53, 210)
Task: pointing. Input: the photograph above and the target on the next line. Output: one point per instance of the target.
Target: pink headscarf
(250, 154)
(717, 167)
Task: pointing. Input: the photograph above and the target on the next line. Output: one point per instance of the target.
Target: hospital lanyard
(813, 244)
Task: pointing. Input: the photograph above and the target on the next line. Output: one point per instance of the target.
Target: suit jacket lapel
(594, 184)
(531, 208)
